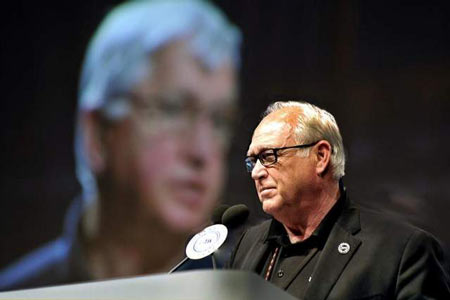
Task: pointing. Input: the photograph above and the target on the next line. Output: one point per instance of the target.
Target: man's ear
(93, 140)
(323, 156)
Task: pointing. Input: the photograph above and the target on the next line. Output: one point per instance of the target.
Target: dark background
(381, 67)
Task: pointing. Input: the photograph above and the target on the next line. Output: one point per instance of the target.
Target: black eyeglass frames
(269, 157)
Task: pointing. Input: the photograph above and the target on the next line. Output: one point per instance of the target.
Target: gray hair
(313, 124)
(118, 56)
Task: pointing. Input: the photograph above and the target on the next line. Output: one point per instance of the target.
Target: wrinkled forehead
(270, 134)
(276, 130)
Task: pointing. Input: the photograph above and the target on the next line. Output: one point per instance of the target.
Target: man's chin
(269, 207)
(184, 222)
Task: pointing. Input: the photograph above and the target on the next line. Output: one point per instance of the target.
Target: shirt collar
(277, 233)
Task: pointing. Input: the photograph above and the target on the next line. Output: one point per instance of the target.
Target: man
(157, 97)
(318, 244)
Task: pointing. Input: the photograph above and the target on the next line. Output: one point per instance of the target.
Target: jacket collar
(338, 251)
(332, 261)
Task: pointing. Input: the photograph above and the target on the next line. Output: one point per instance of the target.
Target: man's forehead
(270, 127)
(175, 71)
(282, 121)
(270, 134)
(275, 130)
(287, 115)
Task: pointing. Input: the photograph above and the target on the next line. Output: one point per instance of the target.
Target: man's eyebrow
(251, 152)
(260, 149)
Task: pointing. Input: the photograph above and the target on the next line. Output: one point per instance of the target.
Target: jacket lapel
(338, 251)
(256, 256)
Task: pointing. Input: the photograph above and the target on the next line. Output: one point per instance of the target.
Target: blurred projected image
(157, 98)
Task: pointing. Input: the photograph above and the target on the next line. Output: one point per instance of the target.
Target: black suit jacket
(387, 260)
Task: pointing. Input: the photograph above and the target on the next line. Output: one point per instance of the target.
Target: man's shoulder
(378, 221)
(56, 262)
(259, 230)
(261, 226)
(405, 254)
(388, 230)
(254, 236)
(46, 265)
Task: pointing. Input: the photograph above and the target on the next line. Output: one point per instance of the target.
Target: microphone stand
(179, 265)
(213, 261)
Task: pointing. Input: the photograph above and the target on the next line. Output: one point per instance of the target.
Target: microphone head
(206, 242)
(217, 214)
(235, 215)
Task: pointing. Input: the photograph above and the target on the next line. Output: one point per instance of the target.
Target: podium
(199, 285)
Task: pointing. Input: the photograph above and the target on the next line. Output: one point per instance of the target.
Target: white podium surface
(204, 284)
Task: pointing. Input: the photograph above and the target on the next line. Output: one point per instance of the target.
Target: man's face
(281, 186)
(168, 155)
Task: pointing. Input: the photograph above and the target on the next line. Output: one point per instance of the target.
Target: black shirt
(284, 258)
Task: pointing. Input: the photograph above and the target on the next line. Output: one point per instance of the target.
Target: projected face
(167, 157)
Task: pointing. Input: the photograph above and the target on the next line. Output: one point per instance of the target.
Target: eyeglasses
(269, 157)
(178, 114)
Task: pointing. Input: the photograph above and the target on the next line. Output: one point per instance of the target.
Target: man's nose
(259, 171)
(201, 142)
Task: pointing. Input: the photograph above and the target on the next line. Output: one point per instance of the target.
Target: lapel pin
(343, 248)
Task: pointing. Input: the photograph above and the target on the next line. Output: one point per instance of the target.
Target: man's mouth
(265, 191)
(190, 192)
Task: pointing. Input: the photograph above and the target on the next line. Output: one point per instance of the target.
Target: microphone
(212, 237)
(235, 215)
